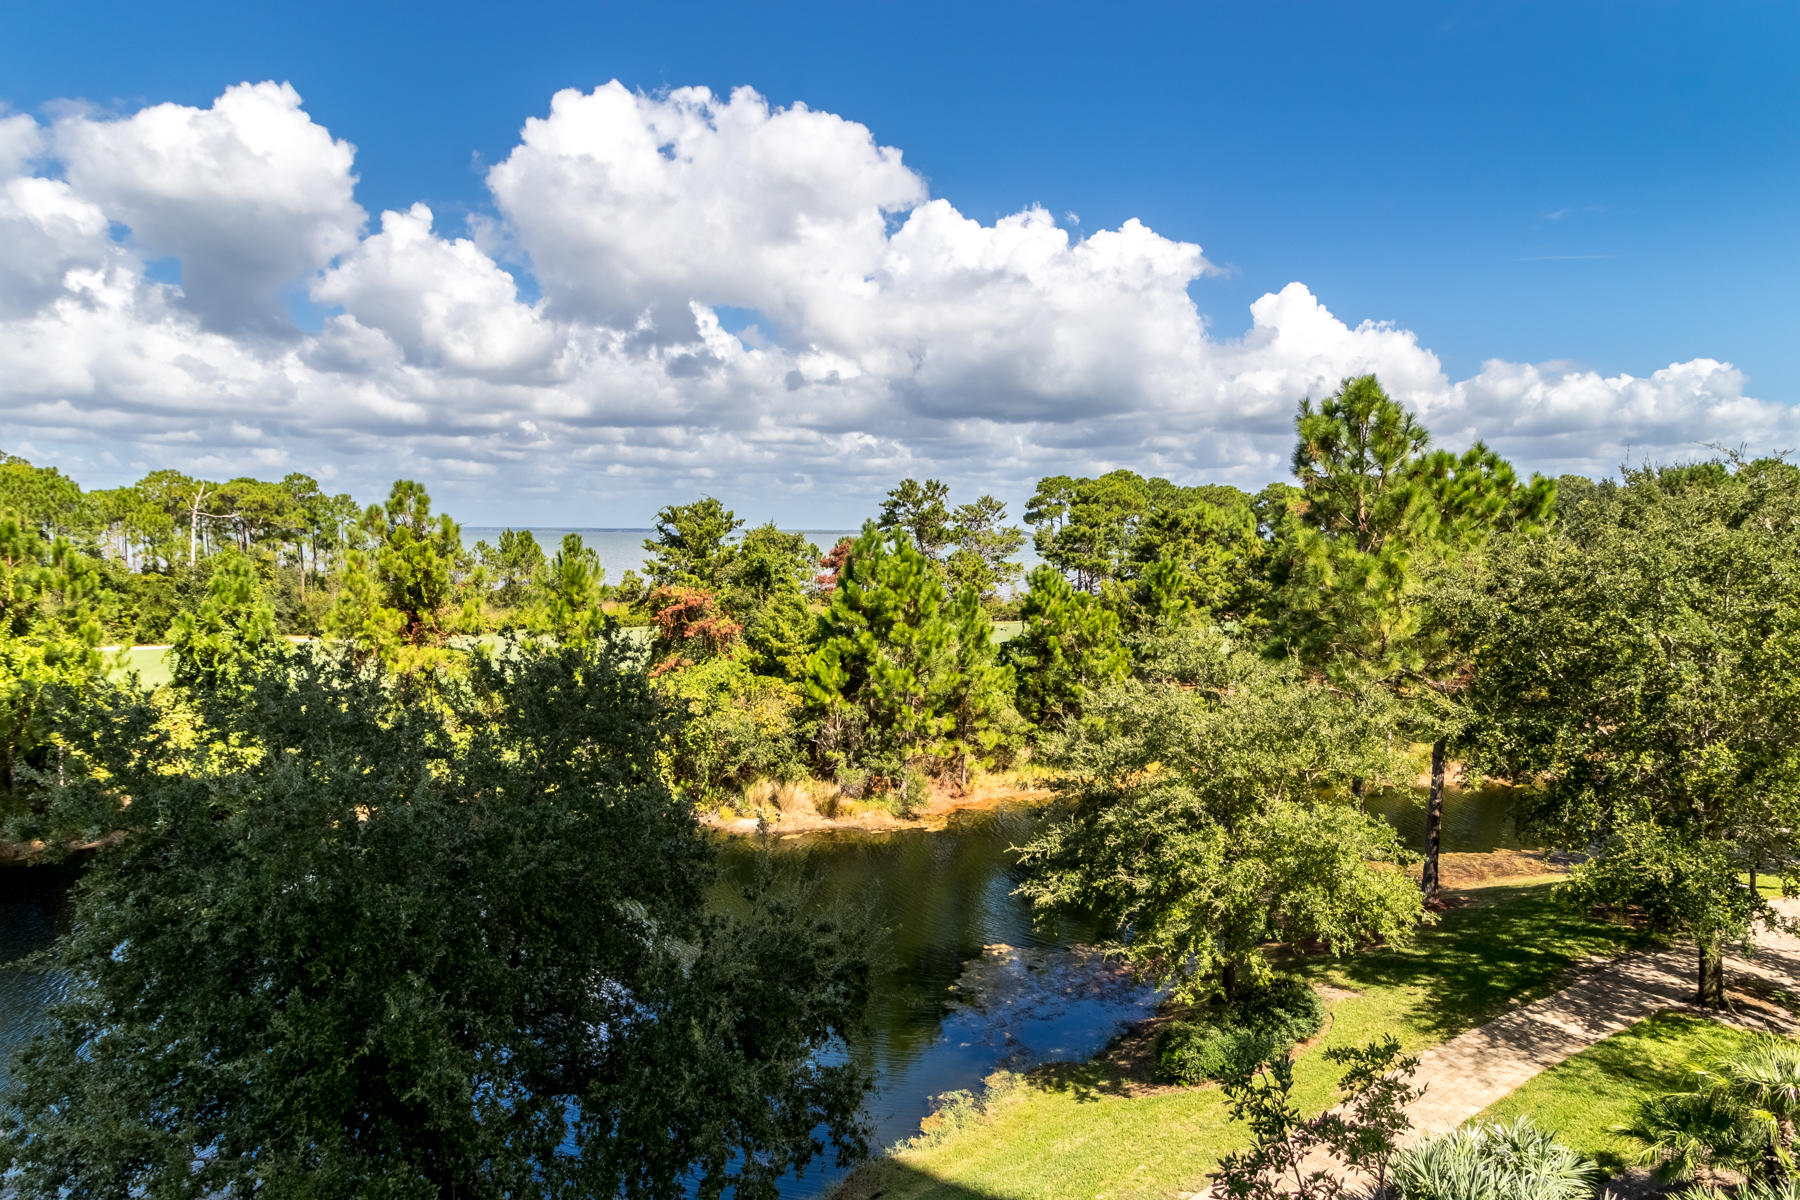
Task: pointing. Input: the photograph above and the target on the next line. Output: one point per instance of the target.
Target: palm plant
(1741, 1114)
(1510, 1161)
(1702, 1127)
(1751, 1189)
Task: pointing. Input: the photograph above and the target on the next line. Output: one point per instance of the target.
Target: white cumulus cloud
(677, 293)
(249, 194)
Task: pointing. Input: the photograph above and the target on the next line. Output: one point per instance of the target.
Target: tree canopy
(360, 943)
(1639, 671)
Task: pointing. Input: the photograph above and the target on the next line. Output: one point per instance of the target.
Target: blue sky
(1608, 185)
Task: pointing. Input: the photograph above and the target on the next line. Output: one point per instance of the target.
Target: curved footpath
(1471, 1071)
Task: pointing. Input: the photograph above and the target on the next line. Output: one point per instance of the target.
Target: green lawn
(1583, 1097)
(150, 662)
(1074, 1131)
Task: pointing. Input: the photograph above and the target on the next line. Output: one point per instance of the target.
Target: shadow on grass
(1509, 944)
(889, 1177)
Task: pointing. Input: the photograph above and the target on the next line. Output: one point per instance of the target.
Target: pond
(965, 982)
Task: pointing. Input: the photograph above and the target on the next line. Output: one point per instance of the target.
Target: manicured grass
(150, 662)
(1584, 1097)
(1077, 1131)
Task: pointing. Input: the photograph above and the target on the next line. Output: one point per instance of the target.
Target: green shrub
(1285, 1010)
(1194, 1052)
(737, 727)
(1512, 1161)
(1227, 1039)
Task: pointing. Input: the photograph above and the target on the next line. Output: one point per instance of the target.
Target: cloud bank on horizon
(675, 294)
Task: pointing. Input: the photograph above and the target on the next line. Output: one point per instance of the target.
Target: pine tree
(904, 676)
(1377, 514)
(1069, 645)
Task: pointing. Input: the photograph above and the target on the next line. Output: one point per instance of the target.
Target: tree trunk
(1356, 790)
(1712, 973)
(194, 522)
(1434, 824)
(1229, 981)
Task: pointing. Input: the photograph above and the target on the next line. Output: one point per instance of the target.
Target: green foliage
(571, 587)
(415, 559)
(1375, 514)
(984, 545)
(43, 499)
(515, 563)
(905, 676)
(1511, 1161)
(1639, 666)
(1743, 1114)
(765, 591)
(767, 565)
(919, 511)
(222, 643)
(1750, 1189)
(1211, 818)
(690, 546)
(373, 941)
(1196, 1052)
(1362, 1132)
(1230, 1038)
(735, 728)
(1086, 528)
(50, 627)
(1069, 646)
(1150, 542)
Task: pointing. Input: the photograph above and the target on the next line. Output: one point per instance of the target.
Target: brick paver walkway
(1471, 1071)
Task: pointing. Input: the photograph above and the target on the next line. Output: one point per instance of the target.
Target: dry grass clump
(791, 799)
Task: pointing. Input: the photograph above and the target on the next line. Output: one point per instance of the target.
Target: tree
(516, 563)
(690, 628)
(1375, 516)
(51, 611)
(572, 586)
(415, 558)
(1207, 544)
(689, 545)
(903, 677)
(1068, 647)
(831, 565)
(984, 545)
(918, 510)
(1086, 528)
(375, 947)
(1362, 1132)
(1205, 822)
(219, 645)
(44, 499)
(764, 589)
(1639, 674)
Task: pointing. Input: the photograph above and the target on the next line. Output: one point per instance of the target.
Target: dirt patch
(870, 817)
(1469, 870)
